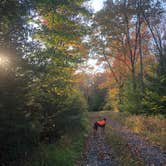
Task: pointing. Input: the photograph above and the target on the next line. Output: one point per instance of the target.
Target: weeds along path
(152, 155)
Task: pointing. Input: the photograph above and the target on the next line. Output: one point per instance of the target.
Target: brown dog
(101, 124)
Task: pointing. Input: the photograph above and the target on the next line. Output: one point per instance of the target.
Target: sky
(96, 5)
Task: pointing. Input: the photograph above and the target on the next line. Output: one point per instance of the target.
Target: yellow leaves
(74, 47)
(163, 98)
(135, 123)
(113, 98)
(113, 92)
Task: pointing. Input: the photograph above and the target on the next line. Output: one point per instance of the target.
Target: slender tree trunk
(113, 73)
(132, 56)
(133, 76)
(157, 41)
(140, 52)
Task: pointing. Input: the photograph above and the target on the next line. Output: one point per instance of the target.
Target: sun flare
(4, 61)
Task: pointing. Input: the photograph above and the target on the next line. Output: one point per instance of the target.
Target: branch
(151, 30)
(114, 75)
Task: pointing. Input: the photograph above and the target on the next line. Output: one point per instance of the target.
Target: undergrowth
(65, 152)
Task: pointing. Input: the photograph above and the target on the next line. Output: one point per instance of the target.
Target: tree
(122, 38)
(42, 42)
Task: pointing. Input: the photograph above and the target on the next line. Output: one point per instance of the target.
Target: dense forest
(46, 88)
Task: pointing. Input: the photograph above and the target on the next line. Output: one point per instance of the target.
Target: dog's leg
(102, 131)
(94, 132)
(95, 127)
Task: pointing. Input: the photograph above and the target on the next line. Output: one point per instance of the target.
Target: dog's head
(104, 119)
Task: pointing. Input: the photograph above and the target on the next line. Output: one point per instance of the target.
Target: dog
(101, 124)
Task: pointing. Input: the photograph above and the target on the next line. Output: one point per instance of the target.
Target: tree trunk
(140, 52)
(133, 77)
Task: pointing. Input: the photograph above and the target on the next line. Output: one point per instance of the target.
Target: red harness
(101, 123)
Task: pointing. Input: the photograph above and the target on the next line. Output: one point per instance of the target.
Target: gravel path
(97, 152)
(153, 155)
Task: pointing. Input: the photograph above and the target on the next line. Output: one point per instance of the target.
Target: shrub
(17, 136)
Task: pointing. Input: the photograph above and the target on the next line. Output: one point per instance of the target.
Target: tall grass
(151, 128)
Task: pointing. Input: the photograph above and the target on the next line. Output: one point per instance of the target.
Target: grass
(151, 128)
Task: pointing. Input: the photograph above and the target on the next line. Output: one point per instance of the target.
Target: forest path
(98, 153)
(152, 155)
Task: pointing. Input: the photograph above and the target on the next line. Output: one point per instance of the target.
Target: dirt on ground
(152, 154)
(98, 153)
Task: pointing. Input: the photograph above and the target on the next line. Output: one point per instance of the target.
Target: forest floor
(119, 146)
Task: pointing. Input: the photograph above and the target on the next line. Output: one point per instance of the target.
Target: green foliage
(18, 137)
(97, 93)
(97, 99)
(37, 99)
(70, 117)
(73, 127)
(154, 101)
(112, 100)
(131, 99)
(65, 152)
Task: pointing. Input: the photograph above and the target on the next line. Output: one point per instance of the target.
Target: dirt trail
(97, 152)
(153, 155)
